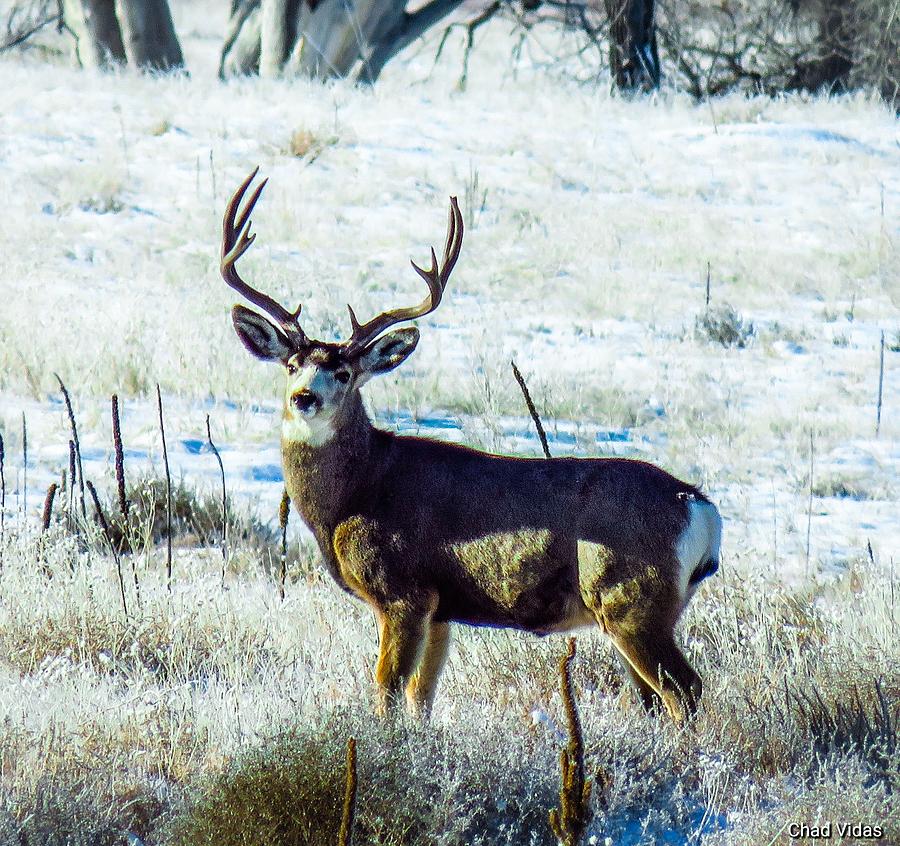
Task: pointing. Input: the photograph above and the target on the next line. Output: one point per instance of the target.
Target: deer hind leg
(422, 686)
(659, 663)
(637, 605)
(404, 632)
(648, 696)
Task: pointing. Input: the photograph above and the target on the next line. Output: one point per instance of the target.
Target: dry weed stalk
(104, 525)
(708, 274)
(880, 387)
(120, 459)
(348, 815)
(74, 428)
(570, 821)
(70, 496)
(124, 544)
(812, 455)
(284, 513)
(2, 491)
(162, 432)
(45, 525)
(212, 446)
(48, 507)
(24, 464)
(531, 409)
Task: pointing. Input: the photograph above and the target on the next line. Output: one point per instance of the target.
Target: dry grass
(225, 715)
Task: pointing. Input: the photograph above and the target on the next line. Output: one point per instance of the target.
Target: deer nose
(306, 401)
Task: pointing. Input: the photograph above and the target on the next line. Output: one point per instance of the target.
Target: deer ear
(260, 336)
(389, 351)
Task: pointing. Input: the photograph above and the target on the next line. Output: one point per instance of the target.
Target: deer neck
(323, 479)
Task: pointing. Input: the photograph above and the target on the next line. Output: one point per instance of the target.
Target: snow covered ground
(591, 222)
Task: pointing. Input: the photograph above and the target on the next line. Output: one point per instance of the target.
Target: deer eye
(291, 368)
(342, 376)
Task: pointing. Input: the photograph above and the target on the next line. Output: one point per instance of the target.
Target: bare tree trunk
(323, 38)
(633, 56)
(830, 68)
(98, 39)
(242, 45)
(387, 42)
(150, 39)
(273, 37)
(334, 35)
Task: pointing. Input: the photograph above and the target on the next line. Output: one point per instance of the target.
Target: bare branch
(23, 24)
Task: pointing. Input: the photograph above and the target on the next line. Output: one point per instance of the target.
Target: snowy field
(591, 222)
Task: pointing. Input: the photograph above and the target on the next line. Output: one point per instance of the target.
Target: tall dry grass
(220, 714)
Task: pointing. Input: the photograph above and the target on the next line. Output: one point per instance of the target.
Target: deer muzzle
(306, 402)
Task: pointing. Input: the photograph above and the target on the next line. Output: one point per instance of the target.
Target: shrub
(416, 785)
(724, 326)
(786, 45)
(712, 47)
(862, 722)
(197, 519)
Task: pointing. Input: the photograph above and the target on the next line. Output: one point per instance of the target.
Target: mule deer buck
(430, 533)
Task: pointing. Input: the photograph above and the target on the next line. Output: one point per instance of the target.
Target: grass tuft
(58, 813)
(196, 520)
(305, 144)
(856, 487)
(858, 722)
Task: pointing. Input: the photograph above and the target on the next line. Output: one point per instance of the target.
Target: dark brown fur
(430, 533)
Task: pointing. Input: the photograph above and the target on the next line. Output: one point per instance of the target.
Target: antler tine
(435, 278)
(454, 239)
(232, 231)
(432, 278)
(236, 240)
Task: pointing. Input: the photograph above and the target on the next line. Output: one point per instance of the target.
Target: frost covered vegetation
(217, 713)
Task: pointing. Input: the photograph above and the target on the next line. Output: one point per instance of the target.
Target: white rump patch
(698, 543)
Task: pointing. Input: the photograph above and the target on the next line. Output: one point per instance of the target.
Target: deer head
(323, 376)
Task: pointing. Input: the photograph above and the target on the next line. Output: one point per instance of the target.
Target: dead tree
(323, 39)
(622, 30)
(98, 38)
(633, 56)
(115, 32)
(149, 34)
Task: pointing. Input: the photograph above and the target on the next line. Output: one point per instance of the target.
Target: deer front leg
(423, 685)
(404, 630)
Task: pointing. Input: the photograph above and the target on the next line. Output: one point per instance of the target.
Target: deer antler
(236, 240)
(435, 279)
